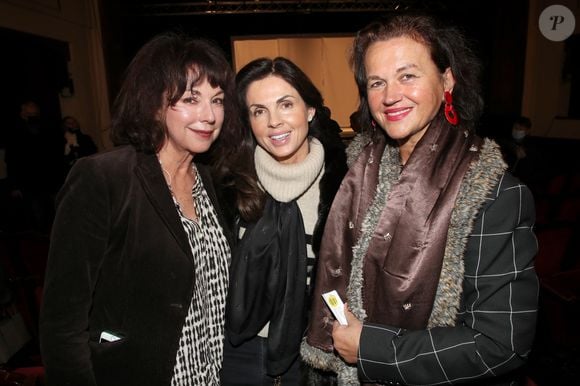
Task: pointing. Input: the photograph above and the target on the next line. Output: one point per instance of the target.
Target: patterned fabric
(200, 353)
(496, 322)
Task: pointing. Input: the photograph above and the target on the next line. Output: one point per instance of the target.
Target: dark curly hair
(449, 49)
(158, 76)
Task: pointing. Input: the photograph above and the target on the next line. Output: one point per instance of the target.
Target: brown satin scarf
(402, 264)
(404, 258)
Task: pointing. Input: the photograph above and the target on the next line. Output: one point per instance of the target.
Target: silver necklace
(169, 177)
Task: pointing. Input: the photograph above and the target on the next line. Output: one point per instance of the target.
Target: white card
(336, 306)
(108, 337)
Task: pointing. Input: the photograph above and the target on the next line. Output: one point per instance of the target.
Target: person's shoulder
(508, 182)
(113, 167)
(357, 145)
(511, 193)
(115, 157)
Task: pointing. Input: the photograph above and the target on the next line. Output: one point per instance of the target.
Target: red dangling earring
(450, 113)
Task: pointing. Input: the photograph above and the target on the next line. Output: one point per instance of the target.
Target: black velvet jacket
(119, 261)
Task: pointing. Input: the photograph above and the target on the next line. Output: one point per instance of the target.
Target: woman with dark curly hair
(138, 267)
(429, 240)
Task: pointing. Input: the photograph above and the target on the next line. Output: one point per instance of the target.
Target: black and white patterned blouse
(200, 352)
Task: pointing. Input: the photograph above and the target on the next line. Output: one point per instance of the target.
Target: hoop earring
(450, 113)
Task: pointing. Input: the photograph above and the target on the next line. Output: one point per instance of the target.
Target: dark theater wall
(32, 67)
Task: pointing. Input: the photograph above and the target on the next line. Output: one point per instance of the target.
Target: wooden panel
(247, 50)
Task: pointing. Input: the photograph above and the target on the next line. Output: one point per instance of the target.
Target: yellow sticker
(333, 301)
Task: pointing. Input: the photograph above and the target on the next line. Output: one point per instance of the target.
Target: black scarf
(268, 283)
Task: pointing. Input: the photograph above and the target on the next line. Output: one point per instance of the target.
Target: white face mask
(518, 135)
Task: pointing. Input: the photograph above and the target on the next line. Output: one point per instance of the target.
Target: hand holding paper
(336, 305)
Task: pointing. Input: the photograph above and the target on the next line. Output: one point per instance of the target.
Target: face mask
(71, 129)
(518, 135)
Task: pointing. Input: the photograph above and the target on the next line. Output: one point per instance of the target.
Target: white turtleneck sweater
(298, 181)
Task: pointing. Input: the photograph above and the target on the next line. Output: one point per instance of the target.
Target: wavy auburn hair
(157, 77)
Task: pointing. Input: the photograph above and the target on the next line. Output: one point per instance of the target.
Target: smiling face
(279, 118)
(195, 121)
(404, 88)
